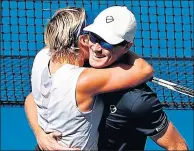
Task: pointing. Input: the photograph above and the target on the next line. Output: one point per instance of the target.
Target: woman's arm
(118, 76)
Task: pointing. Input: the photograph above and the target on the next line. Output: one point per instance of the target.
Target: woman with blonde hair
(65, 92)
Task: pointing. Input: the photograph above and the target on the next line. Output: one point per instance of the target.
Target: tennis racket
(173, 86)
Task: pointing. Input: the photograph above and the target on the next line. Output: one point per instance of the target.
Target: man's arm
(170, 139)
(153, 122)
(31, 113)
(45, 141)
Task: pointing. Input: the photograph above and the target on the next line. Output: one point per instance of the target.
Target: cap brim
(104, 34)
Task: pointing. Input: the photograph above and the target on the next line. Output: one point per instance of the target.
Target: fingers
(73, 149)
(50, 142)
(57, 146)
(57, 134)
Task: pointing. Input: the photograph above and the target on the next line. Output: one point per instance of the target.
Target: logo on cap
(109, 19)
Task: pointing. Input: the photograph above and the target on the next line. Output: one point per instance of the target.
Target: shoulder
(41, 58)
(42, 54)
(141, 100)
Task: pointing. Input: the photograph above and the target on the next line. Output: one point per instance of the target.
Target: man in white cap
(130, 115)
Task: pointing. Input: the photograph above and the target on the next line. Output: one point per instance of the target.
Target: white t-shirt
(56, 104)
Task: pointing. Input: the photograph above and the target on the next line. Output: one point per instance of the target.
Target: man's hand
(45, 141)
(49, 141)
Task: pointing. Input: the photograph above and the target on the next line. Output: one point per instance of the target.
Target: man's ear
(83, 44)
(84, 40)
(128, 45)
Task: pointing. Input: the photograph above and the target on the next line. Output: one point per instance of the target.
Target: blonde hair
(62, 33)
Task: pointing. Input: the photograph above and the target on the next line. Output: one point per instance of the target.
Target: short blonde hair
(62, 32)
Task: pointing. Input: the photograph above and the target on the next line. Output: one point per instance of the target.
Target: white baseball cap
(114, 24)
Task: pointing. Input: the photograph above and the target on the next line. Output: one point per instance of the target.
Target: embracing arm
(118, 76)
(138, 63)
(170, 139)
(31, 113)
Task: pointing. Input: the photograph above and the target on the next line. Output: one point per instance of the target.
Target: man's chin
(97, 66)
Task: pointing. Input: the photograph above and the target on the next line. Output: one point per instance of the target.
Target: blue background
(17, 135)
(164, 37)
